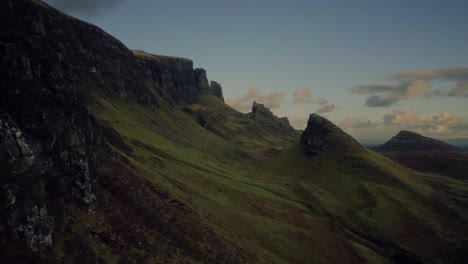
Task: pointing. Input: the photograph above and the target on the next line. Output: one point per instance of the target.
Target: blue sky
(324, 47)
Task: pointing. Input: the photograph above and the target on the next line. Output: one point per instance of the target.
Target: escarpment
(51, 67)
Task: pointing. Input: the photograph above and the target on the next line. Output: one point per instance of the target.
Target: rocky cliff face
(50, 46)
(322, 136)
(204, 88)
(408, 140)
(50, 66)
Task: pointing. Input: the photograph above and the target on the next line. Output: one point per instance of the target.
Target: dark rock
(174, 77)
(49, 143)
(260, 110)
(35, 226)
(408, 140)
(204, 88)
(202, 81)
(217, 90)
(51, 66)
(322, 136)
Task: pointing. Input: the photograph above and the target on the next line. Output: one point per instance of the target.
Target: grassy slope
(449, 163)
(280, 208)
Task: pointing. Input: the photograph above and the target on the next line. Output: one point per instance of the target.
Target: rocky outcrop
(217, 90)
(260, 113)
(264, 118)
(202, 81)
(259, 110)
(408, 140)
(323, 136)
(204, 88)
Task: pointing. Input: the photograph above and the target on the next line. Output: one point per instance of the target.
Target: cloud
(409, 119)
(380, 101)
(89, 7)
(350, 124)
(325, 106)
(373, 88)
(412, 84)
(244, 103)
(460, 90)
(302, 96)
(444, 125)
(305, 97)
(393, 93)
(399, 117)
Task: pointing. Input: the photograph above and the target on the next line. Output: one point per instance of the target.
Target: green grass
(279, 208)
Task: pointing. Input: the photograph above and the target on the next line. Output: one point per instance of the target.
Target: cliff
(56, 47)
(109, 155)
(51, 67)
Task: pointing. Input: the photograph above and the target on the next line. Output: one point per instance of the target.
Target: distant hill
(408, 140)
(109, 155)
(425, 154)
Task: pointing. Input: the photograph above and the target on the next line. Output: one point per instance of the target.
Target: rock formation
(217, 90)
(204, 88)
(322, 136)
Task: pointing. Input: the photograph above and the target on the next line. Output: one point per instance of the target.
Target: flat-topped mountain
(408, 140)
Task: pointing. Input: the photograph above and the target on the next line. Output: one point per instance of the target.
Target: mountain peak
(409, 140)
(408, 134)
(321, 135)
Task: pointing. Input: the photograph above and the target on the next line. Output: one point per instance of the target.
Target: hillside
(116, 156)
(425, 154)
(408, 140)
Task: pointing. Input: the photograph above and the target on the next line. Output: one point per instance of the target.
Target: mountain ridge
(109, 157)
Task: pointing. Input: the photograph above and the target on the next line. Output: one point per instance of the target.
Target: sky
(371, 67)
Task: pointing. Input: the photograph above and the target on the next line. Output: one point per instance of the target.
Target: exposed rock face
(42, 151)
(202, 81)
(57, 47)
(261, 110)
(217, 90)
(322, 136)
(173, 77)
(35, 227)
(213, 88)
(408, 140)
(51, 65)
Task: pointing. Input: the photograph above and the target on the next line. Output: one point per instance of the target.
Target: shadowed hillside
(116, 156)
(407, 140)
(426, 154)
